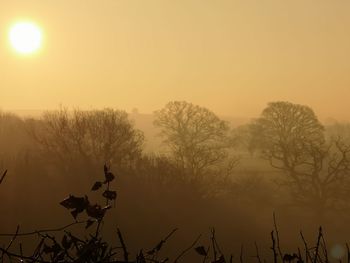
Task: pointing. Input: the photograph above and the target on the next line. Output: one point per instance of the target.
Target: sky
(232, 57)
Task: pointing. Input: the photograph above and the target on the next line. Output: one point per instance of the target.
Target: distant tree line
(202, 148)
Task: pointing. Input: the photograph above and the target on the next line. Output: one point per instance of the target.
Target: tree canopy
(196, 137)
(95, 136)
(293, 140)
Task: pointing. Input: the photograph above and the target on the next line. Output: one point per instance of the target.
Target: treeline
(313, 158)
(285, 161)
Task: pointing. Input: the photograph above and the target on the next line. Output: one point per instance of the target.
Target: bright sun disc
(25, 37)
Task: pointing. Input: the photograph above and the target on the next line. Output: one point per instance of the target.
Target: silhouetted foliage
(71, 248)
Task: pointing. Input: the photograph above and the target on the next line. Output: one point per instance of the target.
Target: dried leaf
(96, 186)
(109, 177)
(75, 213)
(79, 204)
(110, 195)
(201, 251)
(66, 242)
(95, 211)
(220, 260)
(89, 223)
(72, 202)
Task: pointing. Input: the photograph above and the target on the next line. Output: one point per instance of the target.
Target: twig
(13, 239)
(161, 243)
(125, 252)
(277, 236)
(324, 246)
(206, 254)
(274, 247)
(318, 244)
(187, 249)
(257, 253)
(97, 232)
(44, 230)
(21, 257)
(3, 176)
(307, 253)
(216, 242)
(348, 253)
(213, 243)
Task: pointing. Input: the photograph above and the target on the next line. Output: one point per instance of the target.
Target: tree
(284, 132)
(96, 136)
(292, 139)
(196, 137)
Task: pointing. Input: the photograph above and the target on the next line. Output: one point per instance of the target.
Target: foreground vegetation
(62, 245)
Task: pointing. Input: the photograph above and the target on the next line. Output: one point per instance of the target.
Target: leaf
(220, 260)
(72, 202)
(79, 204)
(75, 213)
(141, 257)
(201, 251)
(109, 177)
(89, 223)
(60, 256)
(47, 249)
(110, 195)
(96, 186)
(95, 211)
(66, 242)
(55, 249)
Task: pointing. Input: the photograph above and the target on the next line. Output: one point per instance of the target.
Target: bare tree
(285, 130)
(197, 138)
(93, 136)
(292, 140)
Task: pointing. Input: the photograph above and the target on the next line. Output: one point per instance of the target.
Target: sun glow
(25, 37)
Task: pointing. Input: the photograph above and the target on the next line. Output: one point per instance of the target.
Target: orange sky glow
(230, 56)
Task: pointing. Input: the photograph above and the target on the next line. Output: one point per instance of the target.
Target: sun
(25, 37)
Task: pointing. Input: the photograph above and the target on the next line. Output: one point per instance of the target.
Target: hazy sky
(230, 56)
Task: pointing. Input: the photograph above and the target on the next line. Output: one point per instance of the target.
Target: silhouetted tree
(285, 130)
(93, 136)
(197, 138)
(292, 139)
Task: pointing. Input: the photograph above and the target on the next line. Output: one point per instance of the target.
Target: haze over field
(130, 129)
(230, 56)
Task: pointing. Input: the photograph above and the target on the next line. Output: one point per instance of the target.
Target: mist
(155, 131)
